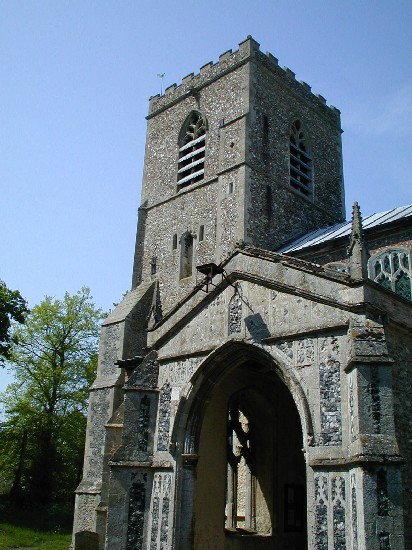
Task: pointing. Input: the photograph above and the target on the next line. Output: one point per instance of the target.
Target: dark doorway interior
(251, 476)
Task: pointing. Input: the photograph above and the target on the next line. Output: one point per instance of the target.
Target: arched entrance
(248, 475)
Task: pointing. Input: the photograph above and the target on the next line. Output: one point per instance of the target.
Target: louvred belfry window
(191, 165)
(300, 164)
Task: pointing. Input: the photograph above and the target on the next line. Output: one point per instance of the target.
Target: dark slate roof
(343, 229)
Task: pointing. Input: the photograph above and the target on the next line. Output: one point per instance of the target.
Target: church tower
(239, 153)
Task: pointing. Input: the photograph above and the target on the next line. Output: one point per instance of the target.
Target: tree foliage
(53, 357)
(13, 307)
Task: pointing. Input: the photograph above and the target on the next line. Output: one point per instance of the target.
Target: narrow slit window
(192, 145)
(265, 129)
(174, 241)
(201, 232)
(300, 161)
(186, 256)
(153, 266)
(265, 139)
(268, 202)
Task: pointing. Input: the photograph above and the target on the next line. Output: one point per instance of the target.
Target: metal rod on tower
(161, 76)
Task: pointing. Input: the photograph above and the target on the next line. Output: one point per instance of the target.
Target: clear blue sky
(75, 80)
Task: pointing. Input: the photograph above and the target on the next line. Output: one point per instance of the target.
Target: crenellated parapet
(249, 50)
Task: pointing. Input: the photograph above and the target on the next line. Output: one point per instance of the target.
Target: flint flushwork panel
(305, 352)
(354, 512)
(382, 492)
(330, 511)
(286, 348)
(321, 512)
(330, 394)
(162, 493)
(339, 506)
(143, 424)
(155, 522)
(165, 523)
(235, 314)
(323, 353)
(173, 377)
(164, 418)
(137, 501)
(351, 409)
(375, 401)
(399, 347)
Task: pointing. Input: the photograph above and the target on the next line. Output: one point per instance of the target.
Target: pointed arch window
(241, 482)
(249, 477)
(192, 145)
(300, 161)
(392, 269)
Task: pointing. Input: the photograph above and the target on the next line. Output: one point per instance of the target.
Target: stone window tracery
(392, 270)
(192, 145)
(246, 510)
(300, 161)
(241, 482)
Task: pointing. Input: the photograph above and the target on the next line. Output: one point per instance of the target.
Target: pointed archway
(243, 472)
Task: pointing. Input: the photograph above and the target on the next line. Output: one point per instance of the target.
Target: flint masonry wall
(219, 92)
(399, 345)
(195, 205)
(276, 212)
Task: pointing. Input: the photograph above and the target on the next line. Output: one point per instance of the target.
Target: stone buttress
(123, 334)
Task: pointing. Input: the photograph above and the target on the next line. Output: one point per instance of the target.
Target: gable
(263, 300)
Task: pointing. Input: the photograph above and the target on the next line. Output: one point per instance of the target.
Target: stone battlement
(228, 61)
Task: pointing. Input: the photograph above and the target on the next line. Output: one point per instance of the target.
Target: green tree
(53, 357)
(12, 308)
